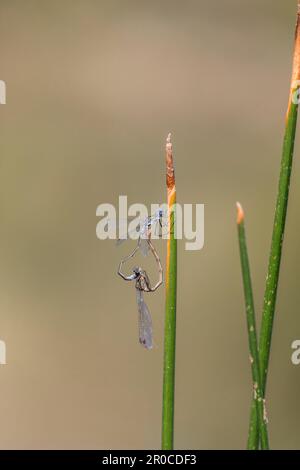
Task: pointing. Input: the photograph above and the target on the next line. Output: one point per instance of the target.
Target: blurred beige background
(93, 87)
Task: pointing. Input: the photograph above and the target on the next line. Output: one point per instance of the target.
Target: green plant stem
(170, 317)
(277, 238)
(251, 327)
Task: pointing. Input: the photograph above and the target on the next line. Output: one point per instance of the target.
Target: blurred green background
(93, 87)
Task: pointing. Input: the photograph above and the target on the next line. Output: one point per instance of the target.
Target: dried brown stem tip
(296, 59)
(169, 163)
(296, 64)
(240, 213)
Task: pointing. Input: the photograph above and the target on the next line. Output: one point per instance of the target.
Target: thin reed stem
(170, 318)
(278, 232)
(251, 328)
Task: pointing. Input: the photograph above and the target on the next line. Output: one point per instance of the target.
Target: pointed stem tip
(170, 165)
(296, 67)
(169, 143)
(240, 213)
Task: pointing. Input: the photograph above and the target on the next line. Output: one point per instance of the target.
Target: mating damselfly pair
(145, 229)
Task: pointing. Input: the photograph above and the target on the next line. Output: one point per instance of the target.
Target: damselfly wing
(144, 321)
(145, 228)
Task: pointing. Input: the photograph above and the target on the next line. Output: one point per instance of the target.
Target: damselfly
(145, 228)
(142, 284)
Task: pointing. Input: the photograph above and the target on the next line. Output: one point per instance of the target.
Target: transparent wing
(144, 231)
(144, 245)
(119, 241)
(156, 225)
(145, 322)
(128, 234)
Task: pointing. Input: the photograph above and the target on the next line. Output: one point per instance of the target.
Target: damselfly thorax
(142, 280)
